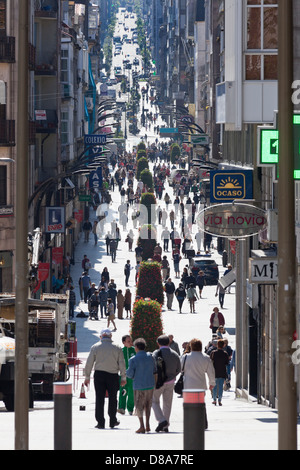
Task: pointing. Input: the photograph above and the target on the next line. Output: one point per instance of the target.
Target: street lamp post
(286, 385)
(21, 270)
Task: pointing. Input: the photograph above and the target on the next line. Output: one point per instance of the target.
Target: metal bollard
(62, 394)
(194, 419)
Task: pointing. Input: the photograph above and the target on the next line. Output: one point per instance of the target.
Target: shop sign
(263, 271)
(55, 220)
(95, 179)
(6, 211)
(232, 220)
(43, 274)
(78, 214)
(57, 255)
(229, 186)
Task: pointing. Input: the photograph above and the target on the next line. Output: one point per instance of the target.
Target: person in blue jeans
(220, 361)
(142, 370)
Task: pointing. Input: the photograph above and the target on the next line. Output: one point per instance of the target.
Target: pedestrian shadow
(84, 344)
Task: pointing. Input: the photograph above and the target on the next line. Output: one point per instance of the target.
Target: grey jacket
(107, 357)
(172, 361)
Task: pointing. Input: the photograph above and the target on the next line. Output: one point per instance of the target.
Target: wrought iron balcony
(7, 49)
(7, 133)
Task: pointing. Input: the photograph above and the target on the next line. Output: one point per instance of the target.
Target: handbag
(179, 384)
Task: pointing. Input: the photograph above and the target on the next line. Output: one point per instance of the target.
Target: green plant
(146, 322)
(148, 200)
(147, 179)
(175, 153)
(141, 153)
(150, 281)
(141, 146)
(142, 164)
(147, 241)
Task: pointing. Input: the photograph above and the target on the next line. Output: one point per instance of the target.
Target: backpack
(161, 370)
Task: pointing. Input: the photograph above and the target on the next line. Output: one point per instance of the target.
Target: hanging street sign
(166, 131)
(263, 270)
(55, 220)
(268, 146)
(200, 139)
(95, 179)
(94, 139)
(229, 186)
(233, 221)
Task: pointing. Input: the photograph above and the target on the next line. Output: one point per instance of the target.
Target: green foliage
(141, 146)
(142, 164)
(146, 322)
(147, 240)
(150, 281)
(175, 153)
(141, 153)
(148, 200)
(147, 179)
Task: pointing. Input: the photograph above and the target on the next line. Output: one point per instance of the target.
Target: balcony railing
(46, 8)
(46, 121)
(7, 49)
(7, 133)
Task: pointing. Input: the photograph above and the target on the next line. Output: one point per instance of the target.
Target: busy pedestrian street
(149, 228)
(238, 424)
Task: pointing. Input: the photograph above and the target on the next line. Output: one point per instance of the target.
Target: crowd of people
(130, 371)
(145, 381)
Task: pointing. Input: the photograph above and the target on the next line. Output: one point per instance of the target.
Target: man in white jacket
(108, 362)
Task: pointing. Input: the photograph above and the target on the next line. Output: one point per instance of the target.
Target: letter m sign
(263, 271)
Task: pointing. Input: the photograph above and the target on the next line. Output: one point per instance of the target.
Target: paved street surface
(238, 424)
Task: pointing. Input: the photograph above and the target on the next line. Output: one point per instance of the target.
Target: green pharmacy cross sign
(269, 146)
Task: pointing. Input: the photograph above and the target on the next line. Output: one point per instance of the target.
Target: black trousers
(104, 381)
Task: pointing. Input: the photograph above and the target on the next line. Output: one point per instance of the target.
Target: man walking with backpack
(168, 362)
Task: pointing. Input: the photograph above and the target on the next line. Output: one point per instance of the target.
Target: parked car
(208, 266)
(177, 174)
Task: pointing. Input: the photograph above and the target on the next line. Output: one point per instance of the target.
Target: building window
(64, 128)
(2, 17)
(65, 66)
(261, 55)
(3, 186)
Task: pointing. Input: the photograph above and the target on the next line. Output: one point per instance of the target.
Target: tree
(175, 153)
(141, 153)
(149, 283)
(147, 179)
(146, 322)
(141, 146)
(147, 241)
(148, 200)
(142, 164)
